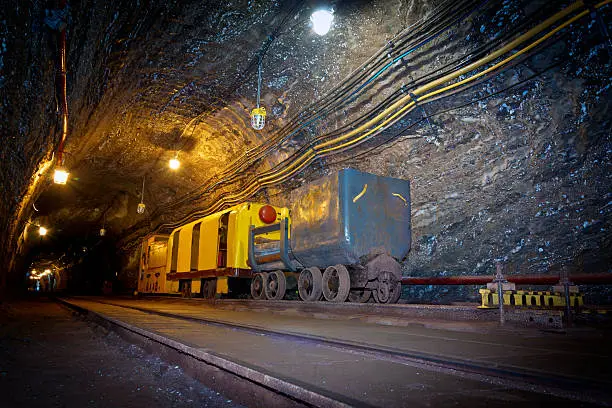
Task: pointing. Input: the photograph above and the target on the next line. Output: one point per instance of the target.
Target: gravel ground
(52, 358)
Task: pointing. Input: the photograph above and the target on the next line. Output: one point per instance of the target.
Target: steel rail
(520, 378)
(223, 368)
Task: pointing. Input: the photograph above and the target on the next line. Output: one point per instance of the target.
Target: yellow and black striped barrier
(531, 299)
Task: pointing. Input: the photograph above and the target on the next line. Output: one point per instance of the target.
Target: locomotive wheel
(257, 286)
(276, 285)
(389, 289)
(310, 285)
(210, 288)
(359, 295)
(336, 283)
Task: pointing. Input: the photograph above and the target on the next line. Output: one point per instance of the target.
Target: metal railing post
(564, 280)
(499, 278)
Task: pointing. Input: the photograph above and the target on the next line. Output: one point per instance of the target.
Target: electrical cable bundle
(251, 157)
(412, 37)
(457, 76)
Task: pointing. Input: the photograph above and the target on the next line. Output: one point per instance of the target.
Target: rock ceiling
(491, 167)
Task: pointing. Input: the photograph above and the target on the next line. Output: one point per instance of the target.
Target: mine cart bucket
(273, 250)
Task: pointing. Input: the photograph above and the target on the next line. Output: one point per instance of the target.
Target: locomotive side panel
(152, 276)
(210, 249)
(208, 237)
(193, 247)
(234, 258)
(157, 265)
(184, 249)
(157, 254)
(172, 261)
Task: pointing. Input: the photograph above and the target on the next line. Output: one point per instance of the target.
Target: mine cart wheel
(276, 285)
(257, 286)
(389, 288)
(359, 295)
(210, 288)
(309, 284)
(336, 283)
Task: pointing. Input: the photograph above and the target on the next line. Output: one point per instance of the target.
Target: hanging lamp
(141, 206)
(174, 162)
(103, 230)
(60, 176)
(322, 20)
(258, 115)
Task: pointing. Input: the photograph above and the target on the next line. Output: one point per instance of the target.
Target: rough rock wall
(28, 118)
(520, 174)
(515, 170)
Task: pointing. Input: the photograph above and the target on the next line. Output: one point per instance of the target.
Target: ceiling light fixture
(60, 176)
(258, 115)
(322, 20)
(103, 230)
(141, 206)
(42, 231)
(174, 163)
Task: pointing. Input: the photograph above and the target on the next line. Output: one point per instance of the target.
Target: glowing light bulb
(141, 208)
(174, 163)
(102, 232)
(60, 176)
(322, 21)
(42, 231)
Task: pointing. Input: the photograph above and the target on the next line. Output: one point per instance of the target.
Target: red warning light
(267, 214)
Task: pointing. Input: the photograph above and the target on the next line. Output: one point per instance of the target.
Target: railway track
(503, 375)
(394, 314)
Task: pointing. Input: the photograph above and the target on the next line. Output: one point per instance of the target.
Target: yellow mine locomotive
(341, 239)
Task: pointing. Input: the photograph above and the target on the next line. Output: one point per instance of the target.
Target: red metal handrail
(582, 279)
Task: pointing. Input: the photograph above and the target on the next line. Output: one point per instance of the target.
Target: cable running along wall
(481, 64)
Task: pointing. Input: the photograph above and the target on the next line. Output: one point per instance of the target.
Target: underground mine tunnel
(377, 152)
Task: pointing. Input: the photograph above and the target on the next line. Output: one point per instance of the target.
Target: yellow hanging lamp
(258, 115)
(140, 209)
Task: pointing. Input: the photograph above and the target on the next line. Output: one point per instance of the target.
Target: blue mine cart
(354, 226)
